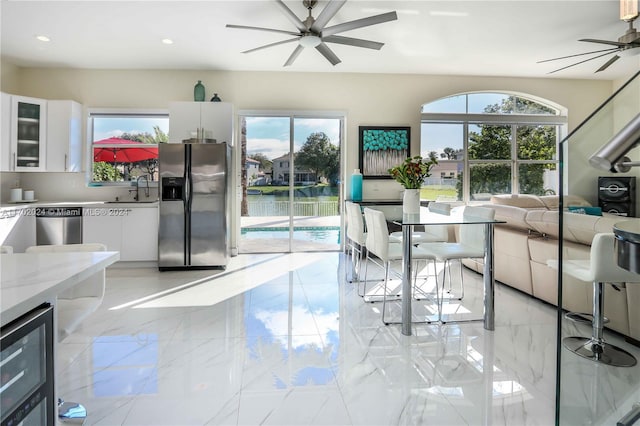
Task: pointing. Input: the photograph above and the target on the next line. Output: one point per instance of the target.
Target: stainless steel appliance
(194, 198)
(26, 361)
(58, 225)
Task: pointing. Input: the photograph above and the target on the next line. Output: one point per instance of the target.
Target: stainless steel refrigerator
(194, 202)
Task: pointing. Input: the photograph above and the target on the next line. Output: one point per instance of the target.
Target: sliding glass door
(290, 180)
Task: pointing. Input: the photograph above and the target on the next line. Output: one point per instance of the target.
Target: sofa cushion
(545, 222)
(552, 202)
(514, 216)
(525, 201)
(607, 221)
(594, 211)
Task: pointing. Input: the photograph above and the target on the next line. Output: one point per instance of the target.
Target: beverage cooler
(26, 370)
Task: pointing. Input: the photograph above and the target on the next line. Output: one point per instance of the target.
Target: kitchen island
(29, 284)
(29, 280)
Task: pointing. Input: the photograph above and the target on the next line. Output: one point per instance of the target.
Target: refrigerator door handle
(187, 205)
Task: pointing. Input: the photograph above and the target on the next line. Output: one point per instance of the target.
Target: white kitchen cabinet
(28, 129)
(216, 118)
(140, 234)
(133, 231)
(5, 133)
(64, 136)
(98, 226)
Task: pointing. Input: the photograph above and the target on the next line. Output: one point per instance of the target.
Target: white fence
(300, 208)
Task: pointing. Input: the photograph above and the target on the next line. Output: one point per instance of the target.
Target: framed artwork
(382, 148)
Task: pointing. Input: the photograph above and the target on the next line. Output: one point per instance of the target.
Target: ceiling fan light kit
(309, 40)
(313, 32)
(625, 46)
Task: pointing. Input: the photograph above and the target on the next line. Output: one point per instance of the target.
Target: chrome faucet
(146, 189)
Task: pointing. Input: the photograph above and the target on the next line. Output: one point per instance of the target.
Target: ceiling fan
(630, 40)
(313, 32)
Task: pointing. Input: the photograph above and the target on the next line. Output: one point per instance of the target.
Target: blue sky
(270, 135)
(104, 128)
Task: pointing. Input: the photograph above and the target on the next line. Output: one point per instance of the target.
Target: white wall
(367, 99)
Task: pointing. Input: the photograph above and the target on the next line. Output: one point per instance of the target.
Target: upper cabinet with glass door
(28, 133)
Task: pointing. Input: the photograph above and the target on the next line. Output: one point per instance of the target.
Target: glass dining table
(427, 218)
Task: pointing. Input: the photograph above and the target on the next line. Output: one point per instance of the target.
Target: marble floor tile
(284, 339)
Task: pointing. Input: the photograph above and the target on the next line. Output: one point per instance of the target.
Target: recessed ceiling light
(167, 41)
(43, 38)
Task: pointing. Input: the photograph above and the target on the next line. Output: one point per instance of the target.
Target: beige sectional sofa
(529, 239)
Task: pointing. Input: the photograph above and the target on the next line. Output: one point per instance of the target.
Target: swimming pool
(319, 234)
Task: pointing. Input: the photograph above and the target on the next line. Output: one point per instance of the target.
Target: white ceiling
(500, 38)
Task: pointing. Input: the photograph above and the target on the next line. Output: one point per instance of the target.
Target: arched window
(491, 143)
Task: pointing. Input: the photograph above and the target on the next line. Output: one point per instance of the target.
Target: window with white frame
(124, 145)
(490, 143)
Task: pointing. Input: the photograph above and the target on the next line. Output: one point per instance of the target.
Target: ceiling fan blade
(577, 54)
(327, 13)
(578, 63)
(613, 43)
(359, 23)
(609, 62)
(328, 53)
(357, 42)
(245, 27)
(272, 44)
(294, 55)
(292, 16)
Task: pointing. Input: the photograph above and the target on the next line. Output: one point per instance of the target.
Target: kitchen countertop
(89, 204)
(30, 279)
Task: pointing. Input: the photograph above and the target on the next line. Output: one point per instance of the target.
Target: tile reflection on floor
(284, 339)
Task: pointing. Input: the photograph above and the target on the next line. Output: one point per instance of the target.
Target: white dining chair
(471, 245)
(386, 251)
(356, 238)
(431, 233)
(600, 268)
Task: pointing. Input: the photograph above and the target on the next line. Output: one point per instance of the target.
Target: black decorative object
(216, 98)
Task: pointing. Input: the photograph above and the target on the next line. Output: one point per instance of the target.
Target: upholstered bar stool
(601, 268)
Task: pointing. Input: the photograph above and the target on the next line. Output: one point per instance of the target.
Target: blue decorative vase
(356, 185)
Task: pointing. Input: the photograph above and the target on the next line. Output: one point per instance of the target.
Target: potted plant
(410, 174)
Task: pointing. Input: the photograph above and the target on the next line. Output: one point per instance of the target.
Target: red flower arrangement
(413, 171)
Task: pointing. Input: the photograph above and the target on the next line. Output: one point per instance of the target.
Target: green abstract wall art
(382, 148)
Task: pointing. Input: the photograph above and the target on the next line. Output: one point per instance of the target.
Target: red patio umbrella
(128, 154)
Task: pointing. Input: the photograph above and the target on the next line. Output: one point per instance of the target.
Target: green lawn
(432, 193)
(428, 193)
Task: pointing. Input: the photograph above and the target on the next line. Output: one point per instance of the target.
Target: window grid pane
(511, 146)
(125, 146)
